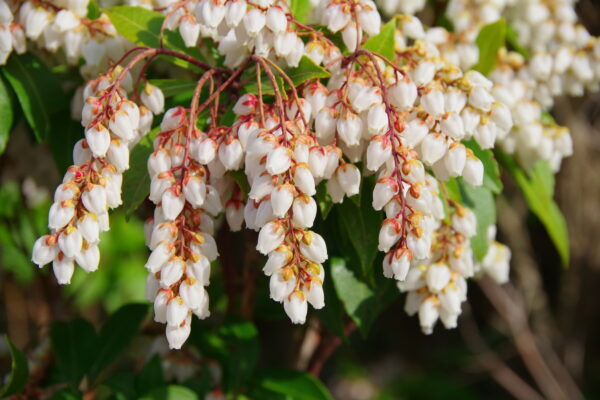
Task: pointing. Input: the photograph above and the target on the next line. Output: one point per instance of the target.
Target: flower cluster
(60, 25)
(413, 121)
(92, 185)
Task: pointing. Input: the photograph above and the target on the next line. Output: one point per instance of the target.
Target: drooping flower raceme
(415, 122)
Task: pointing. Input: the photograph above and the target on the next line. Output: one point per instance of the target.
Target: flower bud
(60, 214)
(385, 189)
(159, 256)
(231, 154)
(349, 128)
(118, 155)
(455, 159)
(281, 199)
(177, 335)
(120, 124)
(278, 258)
(160, 306)
(403, 94)
(63, 268)
(313, 247)
(428, 315)
(473, 171)
(88, 258)
(389, 234)
(254, 21)
(304, 211)
(348, 177)
(43, 252)
(304, 180)
(177, 311)
(278, 160)
(234, 213)
(438, 276)
(296, 307)
(98, 140)
(153, 98)
(194, 190)
(433, 148)
(270, 237)
(189, 30)
(172, 204)
(378, 152)
(94, 199)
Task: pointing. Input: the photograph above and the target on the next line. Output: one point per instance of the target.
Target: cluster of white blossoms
(180, 232)
(92, 185)
(60, 25)
(412, 121)
(562, 59)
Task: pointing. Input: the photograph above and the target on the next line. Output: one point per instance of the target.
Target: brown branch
(514, 316)
(488, 359)
(327, 345)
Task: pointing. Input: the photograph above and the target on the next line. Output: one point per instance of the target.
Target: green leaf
(332, 316)
(6, 114)
(65, 133)
(287, 384)
(136, 181)
(489, 41)
(75, 346)
(93, 10)
(360, 301)
(241, 180)
(172, 87)
(491, 171)
(512, 40)
(151, 375)
(301, 10)
(142, 27)
(235, 345)
(243, 349)
(122, 385)
(538, 189)
(361, 226)
(38, 91)
(305, 71)
(481, 201)
(384, 42)
(19, 371)
(116, 334)
(171, 392)
(323, 200)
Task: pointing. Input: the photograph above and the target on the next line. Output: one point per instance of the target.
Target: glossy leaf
(360, 301)
(150, 376)
(287, 384)
(384, 42)
(172, 87)
(38, 91)
(481, 201)
(171, 392)
(19, 371)
(143, 27)
(361, 226)
(136, 181)
(6, 114)
(301, 10)
(323, 199)
(116, 334)
(490, 39)
(74, 344)
(537, 187)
